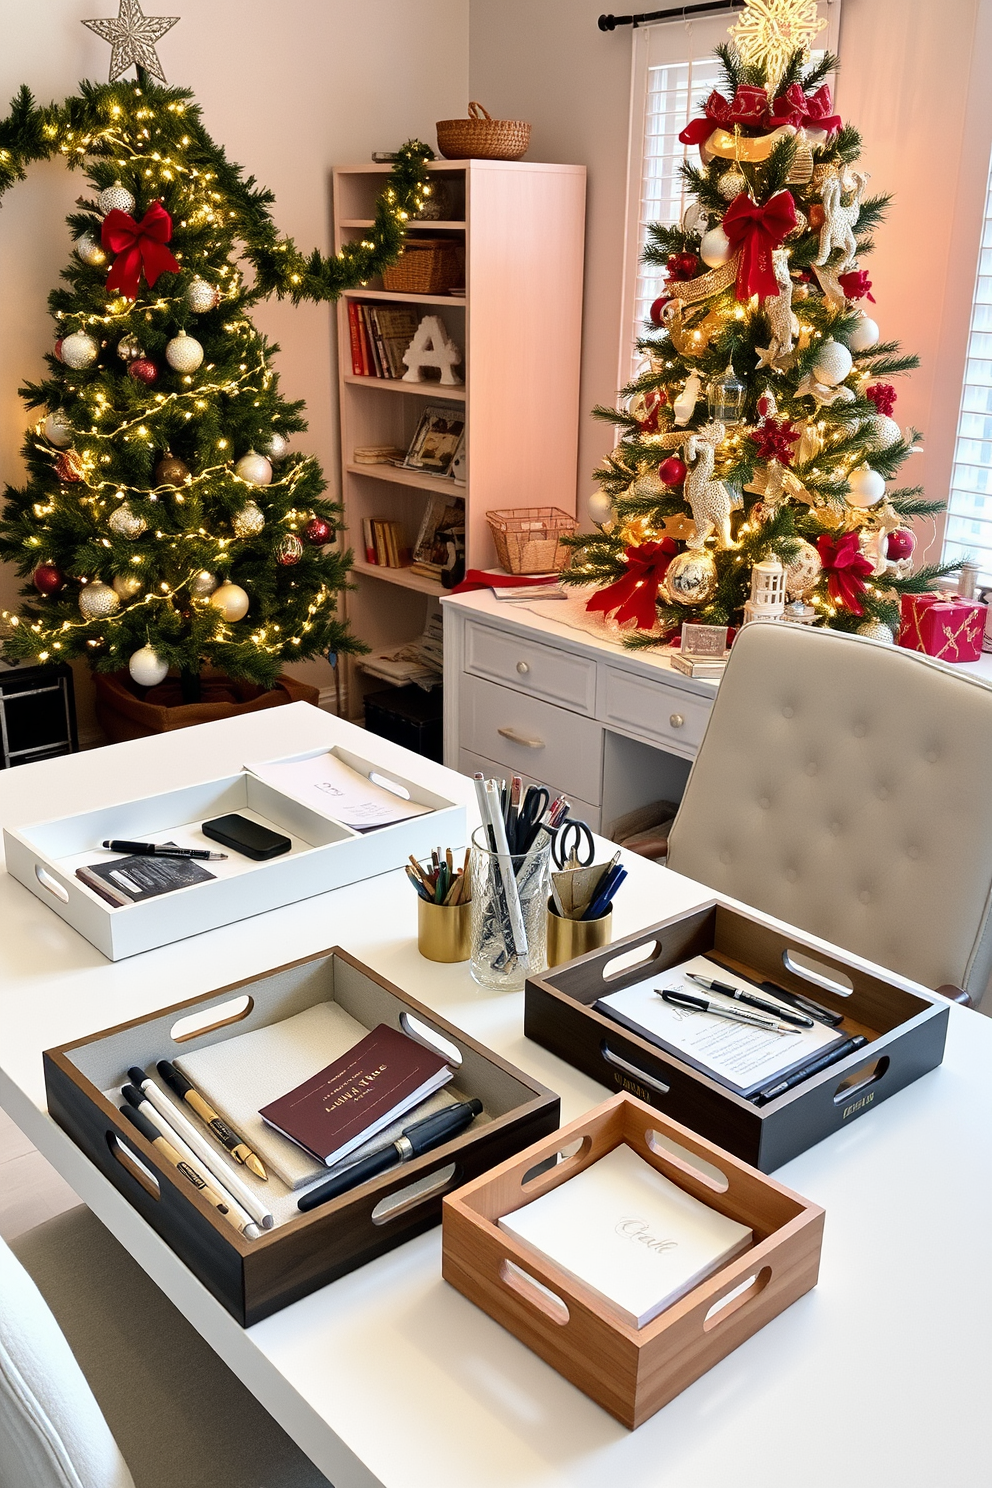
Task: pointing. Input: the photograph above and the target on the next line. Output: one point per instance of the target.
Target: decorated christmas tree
(165, 524)
(760, 435)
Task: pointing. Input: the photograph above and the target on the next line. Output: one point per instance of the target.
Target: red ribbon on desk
(635, 596)
(846, 569)
(140, 248)
(754, 231)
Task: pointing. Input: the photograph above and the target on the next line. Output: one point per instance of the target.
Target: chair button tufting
(931, 756)
(788, 711)
(811, 767)
(859, 730)
(764, 802)
(865, 896)
(725, 855)
(913, 851)
(791, 874)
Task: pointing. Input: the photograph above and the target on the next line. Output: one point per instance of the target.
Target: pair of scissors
(535, 803)
(572, 845)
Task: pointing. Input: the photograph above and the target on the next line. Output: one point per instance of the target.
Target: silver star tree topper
(133, 36)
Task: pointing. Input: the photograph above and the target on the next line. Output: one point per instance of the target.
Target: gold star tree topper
(133, 36)
(769, 31)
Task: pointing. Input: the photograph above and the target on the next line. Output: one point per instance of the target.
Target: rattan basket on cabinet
(481, 137)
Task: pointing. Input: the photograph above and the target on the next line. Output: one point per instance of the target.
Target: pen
(165, 1149)
(821, 1014)
(735, 1015)
(807, 1071)
(153, 850)
(223, 1172)
(422, 1136)
(236, 1146)
(741, 995)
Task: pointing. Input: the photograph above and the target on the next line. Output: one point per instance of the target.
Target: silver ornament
(90, 251)
(231, 600)
(98, 600)
(833, 363)
(184, 353)
(58, 430)
(880, 432)
(255, 469)
(802, 572)
(148, 668)
(649, 484)
(690, 578)
(277, 447)
(80, 350)
(129, 349)
(203, 584)
(126, 523)
(116, 198)
(249, 521)
(731, 184)
(126, 585)
(876, 630)
(201, 296)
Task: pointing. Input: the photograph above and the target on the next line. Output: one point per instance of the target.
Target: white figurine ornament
(839, 221)
(432, 347)
(781, 317)
(685, 404)
(710, 501)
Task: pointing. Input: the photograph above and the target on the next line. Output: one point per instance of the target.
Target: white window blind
(968, 533)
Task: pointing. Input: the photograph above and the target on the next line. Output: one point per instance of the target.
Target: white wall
(290, 90)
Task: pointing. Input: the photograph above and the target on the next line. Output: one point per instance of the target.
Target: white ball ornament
(97, 600)
(183, 353)
(881, 431)
(714, 249)
(865, 487)
(201, 296)
(600, 508)
(90, 251)
(731, 184)
(126, 523)
(80, 350)
(116, 198)
(833, 363)
(203, 584)
(248, 521)
(148, 668)
(126, 586)
(255, 469)
(231, 600)
(864, 336)
(277, 447)
(58, 430)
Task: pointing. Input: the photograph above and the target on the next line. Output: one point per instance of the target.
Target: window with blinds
(968, 533)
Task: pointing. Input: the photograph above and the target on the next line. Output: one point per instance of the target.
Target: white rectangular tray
(325, 855)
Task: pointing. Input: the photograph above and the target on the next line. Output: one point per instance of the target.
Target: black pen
(741, 995)
(807, 1071)
(821, 1014)
(153, 850)
(735, 1015)
(422, 1136)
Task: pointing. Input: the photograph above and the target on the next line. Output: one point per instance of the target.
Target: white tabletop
(390, 1377)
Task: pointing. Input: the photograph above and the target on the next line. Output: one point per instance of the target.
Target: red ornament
(775, 441)
(846, 569)
(58, 347)
(816, 216)
(856, 285)
(754, 231)
(654, 314)
(140, 249)
(883, 395)
(635, 596)
(672, 471)
(47, 579)
(682, 266)
(766, 405)
(653, 401)
(68, 466)
(142, 370)
(900, 544)
(318, 532)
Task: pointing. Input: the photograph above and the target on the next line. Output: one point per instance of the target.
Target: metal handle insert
(515, 738)
(676, 720)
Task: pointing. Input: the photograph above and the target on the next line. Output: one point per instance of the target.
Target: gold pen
(179, 1085)
(171, 1155)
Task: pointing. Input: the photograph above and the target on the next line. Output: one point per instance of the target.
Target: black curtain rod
(675, 13)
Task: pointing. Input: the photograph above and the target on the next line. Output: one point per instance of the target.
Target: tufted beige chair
(846, 786)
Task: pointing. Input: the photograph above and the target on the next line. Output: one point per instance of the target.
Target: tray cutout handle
(639, 955)
(820, 973)
(132, 1163)
(534, 1292)
(402, 1200)
(425, 1034)
(860, 1079)
(390, 785)
(51, 884)
(738, 1297)
(568, 1154)
(687, 1162)
(207, 1019)
(632, 1071)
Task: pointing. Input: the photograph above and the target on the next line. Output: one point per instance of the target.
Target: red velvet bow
(793, 107)
(755, 230)
(846, 569)
(635, 596)
(883, 395)
(139, 246)
(856, 285)
(748, 107)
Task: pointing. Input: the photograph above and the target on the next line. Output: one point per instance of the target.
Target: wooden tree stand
(126, 711)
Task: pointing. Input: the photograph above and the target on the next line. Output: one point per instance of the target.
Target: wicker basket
(527, 539)
(481, 137)
(426, 266)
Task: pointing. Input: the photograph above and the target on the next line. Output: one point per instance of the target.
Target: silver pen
(741, 994)
(733, 1014)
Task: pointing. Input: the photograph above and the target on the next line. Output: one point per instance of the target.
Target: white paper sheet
(328, 786)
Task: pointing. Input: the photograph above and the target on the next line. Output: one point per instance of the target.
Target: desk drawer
(531, 667)
(533, 738)
(469, 764)
(649, 708)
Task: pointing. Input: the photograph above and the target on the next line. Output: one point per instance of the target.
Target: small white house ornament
(432, 347)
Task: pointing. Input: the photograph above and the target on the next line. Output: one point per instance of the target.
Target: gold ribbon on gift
(967, 631)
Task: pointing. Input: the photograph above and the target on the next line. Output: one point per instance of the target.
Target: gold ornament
(877, 630)
(731, 184)
(249, 521)
(802, 572)
(184, 353)
(231, 600)
(648, 484)
(690, 578)
(201, 296)
(133, 36)
(126, 523)
(769, 31)
(126, 585)
(203, 584)
(171, 472)
(679, 526)
(97, 601)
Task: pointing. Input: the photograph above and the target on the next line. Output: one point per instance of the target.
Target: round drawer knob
(523, 668)
(676, 720)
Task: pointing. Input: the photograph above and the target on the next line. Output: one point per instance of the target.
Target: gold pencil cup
(444, 931)
(570, 938)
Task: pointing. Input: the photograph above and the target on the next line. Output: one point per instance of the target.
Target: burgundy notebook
(384, 1075)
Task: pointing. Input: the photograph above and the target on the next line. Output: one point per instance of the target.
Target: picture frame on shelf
(443, 520)
(458, 469)
(435, 443)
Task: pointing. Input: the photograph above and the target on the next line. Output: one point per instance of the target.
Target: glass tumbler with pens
(510, 854)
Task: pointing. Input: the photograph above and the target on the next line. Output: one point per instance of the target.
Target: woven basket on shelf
(481, 137)
(527, 538)
(426, 266)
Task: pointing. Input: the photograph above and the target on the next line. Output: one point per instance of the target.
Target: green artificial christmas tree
(164, 523)
(756, 472)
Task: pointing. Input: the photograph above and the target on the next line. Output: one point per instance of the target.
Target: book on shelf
(385, 543)
(355, 334)
(368, 541)
(380, 334)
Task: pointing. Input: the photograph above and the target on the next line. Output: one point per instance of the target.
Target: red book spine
(356, 339)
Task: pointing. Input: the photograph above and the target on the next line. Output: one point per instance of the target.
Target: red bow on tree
(775, 441)
(883, 395)
(635, 596)
(140, 248)
(749, 107)
(846, 568)
(793, 107)
(856, 285)
(755, 230)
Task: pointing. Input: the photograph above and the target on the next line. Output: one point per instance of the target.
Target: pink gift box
(942, 626)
